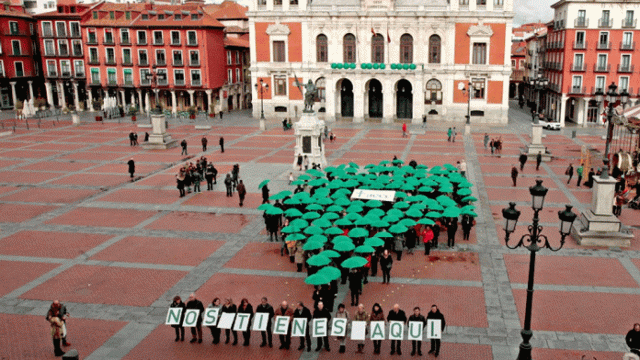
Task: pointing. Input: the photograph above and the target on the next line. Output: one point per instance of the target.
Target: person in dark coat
(146, 137)
(132, 166)
(304, 313)
(377, 314)
(322, 313)
(386, 261)
(235, 173)
(131, 138)
(215, 331)
(180, 183)
(355, 286)
(299, 162)
(633, 339)
(242, 192)
(523, 160)
(231, 308)
(265, 194)
(228, 183)
(328, 297)
(63, 314)
(467, 224)
(204, 143)
(374, 262)
(410, 239)
(194, 303)
(452, 227)
(246, 308)
(177, 303)
(435, 314)
(208, 175)
(538, 160)
(285, 310)
(273, 224)
(221, 142)
(396, 315)
(569, 172)
(265, 307)
(514, 175)
(417, 317)
(184, 147)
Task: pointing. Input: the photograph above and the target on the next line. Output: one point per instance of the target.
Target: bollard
(573, 134)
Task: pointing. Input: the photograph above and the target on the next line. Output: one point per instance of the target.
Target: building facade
(590, 44)
(516, 86)
(383, 60)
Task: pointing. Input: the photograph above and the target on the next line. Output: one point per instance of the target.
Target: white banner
(242, 322)
(299, 328)
(226, 320)
(434, 329)
(191, 317)
(358, 330)
(415, 330)
(282, 325)
(382, 195)
(260, 322)
(173, 316)
(211, 316)
(396, 329)
(377, 330)
(339, 327)
(319, 327)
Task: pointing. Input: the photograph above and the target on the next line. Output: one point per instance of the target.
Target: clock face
(460, 86)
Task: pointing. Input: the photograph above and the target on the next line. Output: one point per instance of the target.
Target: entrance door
(375, 99)
(404, 100)
(230, 102)
(592, 112)
(5, 102)
(346, 98)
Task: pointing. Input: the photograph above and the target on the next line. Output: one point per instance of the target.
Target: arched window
(349, 48)
(321, 48)
(406, 49)
(434, 92)
(320, 85)
(377, 48)
(434, 49)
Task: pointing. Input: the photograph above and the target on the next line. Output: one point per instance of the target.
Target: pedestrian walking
(177, 303)
(215, 174)
(396, 314)
(467, 223)
(299, 162)
(452, 228)
(208, 175)
(285, 310)
(435, 314)
(204, 143)
(246, 308)
(404, 129)
(514, 175)
(273, 225)
(322, 313)
(436, 233)
(63, 315)
(361, 315)
(398, 246)
(410, 238)
(132, 167)
(538, 160)
(523, 160)
(227, 183)
(305, 162)
(196, 331)
(416, 345)
(453, 134)
(183, 143)
(242, 192)
(235, 173)
(569, 173)
(486, 140)
(146, 136)
(424, 121)
(266, 308)
(386, 262)
(290, 178)
(342, 313)
(135, 139)
(492, 144)
(265, 194)
(579, 171)
(449, 133)
(302, 312)
(374, 262)
(221, 142)
(215, 330)
(462, 167)
(221, 113)
(377, 314)
(131, 139)
(633, 339)
(55, 320)
(355, 286)
(230, 308)
(196, 178)
(427, 237)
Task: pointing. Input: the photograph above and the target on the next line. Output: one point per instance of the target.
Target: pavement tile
(439, 265)
(29, 154)
(120, 218)
(15, 274)
(261, 256)
(57, 166)
(7, 163)
(141, 196)
(218, 198)
(26, 177)
(49, 195)
(17, 213)
(553, 354)
(202, 222)
(50, 244)
(88, 179)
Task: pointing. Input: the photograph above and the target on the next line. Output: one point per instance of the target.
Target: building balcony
(580, 45)
(196, 83)
(581, 23)
(605, 23)
(177, 63)
(24, 74)
(95, 82)
(108, 42)
(600, 68)
(145, 83)
(75, 35)
(578, 67)
(578, 90)
(191, 43)
(125, 42)
(112, 83)
(126, 62)
(178, 83)
(63, 53)
(143, 63)
(110, 62)
(7, 32)
(65, 74)
(604, 46)
(629, 23)
(595, 90)
(61, 35)
(194, 64)
(625, 68)
(160, 63)
(158, 42)
(163, 83)
(52, 75)
(46, 34)
(127, 83)
(176, 43)
(80, 75)
(77, 55)
(94, 62)
(92, 41)
(628, 46)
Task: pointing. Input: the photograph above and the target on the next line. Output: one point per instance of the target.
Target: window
(576, 84)
(52, 69)
(49, 49)
(160, 59)
(321, 48)
(406, 49)
(77, 47)
(61, 29)
(582, 14)
(13, 27)
(95, 76)
(112, 15)
(479, 53)
(580, 39)
(627, 37)
(31, 30)
(602, 62)
(15, 44)
(65, 68)
(108, 36)
(91, 37)
(162, 77)
(434, 91)
(377, 48)
(196, 80)
(194, 16)
(145, 16)
(478, 88)
(93, 56)
(19, 68)
(623, 84)
(278, 51)
(111, 76)
(192, 38)
(63, 48)
(126, 56)
(194, 58)
(600, 81)
(177, 17)
(229, 76)
(124, 36)
(143, 77)
(628, 19)
(578, 62)
(142, 38)
(464, 2)
(46, 28)
(127, 15)
(175, 38)
(111, 56)
(498, 2)
(349, 48)
(604, 38)
(277, 2)
(238, 79)
(74, 27)
(160, 16)
(143, 60)
(281, 85)
(95, 15)
(177, 58)
(78, 66)
(128, 76)
(625, 63)
(228, 57)
(2, 73)
(434, 49)
(605, 16)
(157, 38)
(237, 57)
(481, 2)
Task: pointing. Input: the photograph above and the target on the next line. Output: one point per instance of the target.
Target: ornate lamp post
(261, 86)
(537, 84)
(534, 241)
(153, 76)
(612, 98)
(467, 90)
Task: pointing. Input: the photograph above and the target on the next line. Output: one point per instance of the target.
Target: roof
(119, 14)
(169, 11)
(81, 9)
(235, 42)
(518, 49)
(227, 10)
(11, 12)
(235, 29)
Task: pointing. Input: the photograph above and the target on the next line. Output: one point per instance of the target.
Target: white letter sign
(395, 330)
(434, 329)
(339, 327)
(377, 330)
(211, 316)
(226, 320)
(260, 322)
(319, 328)
(358, 329)
(299, 327)
(282, 325)
(415, 330)
(242, 322)
(173, 316)
(191, 317)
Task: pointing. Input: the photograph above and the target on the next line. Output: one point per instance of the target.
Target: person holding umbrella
(265, 194)
(410, 239)
(467, 224)
(452, 227)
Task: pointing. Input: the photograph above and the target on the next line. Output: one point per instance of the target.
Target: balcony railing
(629, 23)
(605, 23)
(595, 89)
(65, 74)
(75, 35)
(601, 68)
(192, 43)
(178, 63)
(108, 41)
(179, 82)
(10, 32)
(580, 45)
(194, 63)
(158, 42)
(144, 82)
(127, 62)
(628, 46)
(625, 68)
(578, 67)
(604, 45)
(95, 81)
(61, 34)
(111, 61)
(163, 82)
(577, 90)
(581, 22)
(175, 43)
(143, 63)
(64, 53)
(52, 74)
(196, 83)
(112, 82)
(80, 75)
(125, 42)
(92, 40)
(128, 83)
(161, 63)
(47, 33)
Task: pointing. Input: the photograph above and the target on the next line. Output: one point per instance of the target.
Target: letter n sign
(173, 316)
(434, 329)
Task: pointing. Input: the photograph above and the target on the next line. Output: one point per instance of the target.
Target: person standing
(131, 138)
(204, 143)
(266, 308)
(146, 137)
(63, 315)
(514, 175)
(135, 139)
(177, 303)
(290, 178)
(228, 183)
(523, 160)
(452, 228)
(221, 113)
(355, 286)
(265, 194)
(486, 140)
(449, 132)
(404, 129)
(215, 330)
(54, 319)
(302, 312)
(633, 339)
(377, 314)
(538, 160)
(342, 313)
(435, 314)
(180, 177)
(322, 313)
(305, 162)
(299, 162)
(399, 246)
(196, 177)
(132, 167)
(361, 315)
(230, 308)
(467, 224)
(424, 121)
(208, 175)
(463, 168)
(416, 345)
(183, 143)
(569, 173)
(374, 262)
(386, 262)
(579, 171)
(437, 227)
(246, 308)
(285, 310)
(427, 236)
(221, 142)
(410, 239)
(242, 192)
(396, 315)
(196, 304)
(453, 134)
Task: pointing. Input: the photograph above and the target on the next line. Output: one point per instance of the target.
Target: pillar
(563, 108)
(47, 86)
(585, 111)
(330, 101)
(223, 102)
(388, 95)
(124, 101)
(76, 98)
(209, 99)
(31, 89)
(358, 101)
(191, 103)
(417, 101)
(140, 106)
(61, 101)
(90, 97)
(13, 92)
(147, 103)
(174, 111)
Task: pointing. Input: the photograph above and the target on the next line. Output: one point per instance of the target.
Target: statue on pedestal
(310, 94)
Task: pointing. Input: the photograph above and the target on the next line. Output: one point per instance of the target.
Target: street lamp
(612, 98)
(263, 87)
(537, 84)
(534, 241)
(467, 90)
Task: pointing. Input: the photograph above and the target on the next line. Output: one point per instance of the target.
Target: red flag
(373, 31)
(388, 37)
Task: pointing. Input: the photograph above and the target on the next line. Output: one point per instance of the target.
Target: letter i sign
(434, 329)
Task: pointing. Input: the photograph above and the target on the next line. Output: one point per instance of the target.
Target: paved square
(15, 274)
(49, 244)
(201, 222)
(122, 218)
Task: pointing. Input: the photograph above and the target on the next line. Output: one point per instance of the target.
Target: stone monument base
(600, 230)
(159, 140)
(532, 151)
(309, 126)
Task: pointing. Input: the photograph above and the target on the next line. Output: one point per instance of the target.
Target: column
(76, 98)
(61, 101)
(209, 100)
(140, 107)
(124, 101)
(191, 103)
(31, 89)
(388, 95)
(222, 100)
(147, 103)
(173, 102)
(330, 101)
(358, 101)
(47, 86)
(90, 97)
(563, 106)
(585, 111)
(13, 92)
(417, 101)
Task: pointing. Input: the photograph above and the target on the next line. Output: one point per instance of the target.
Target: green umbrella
(464, 192)
(317, 279)
(323, 223)
(318, 182)
(358, 232)
(400, 194)
(414, 213)
(343, 222)
(465, 184)
(383, 234)
(318, 260)
(351, 171)
(364, 249)
(324, 201)
(407, 222)
(374, 241)
(293, 212)
(304, 177)
(333, 231)
(468, 212)
(446, 189)
(289, 230)
(407, 187)
(426, 221)
(312, 245)
(314, 207)
(450, 167)
(265, 206)
(400, 205)
(330, 272)
(380, 224)
(296, 237)
(330, 216)
(353, 216)
(467, 207)
(358, 203)
(418, 206)
(395, 212)
(331, 254)
(313, 230)
(311, 215)
(281, 195)
(301, 195)
(363, 222)
(314, 172)
(398, 229)
(344, 246)
(274, 211)
(376, 212)
(263, 183)
(344, 192)
(397, 161)
(391, 219)
(300, 223)
(384, 162)
(330, 169)
(434, 214)
(342, 202)
(416, 198)
(435, 207)
(292, 202)
(446, 201)
(353, 165)
(297, 182)
(469, 198)
(354, 262)
(373, 204)
(334, 208)
(369, 166)
(341, 238)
